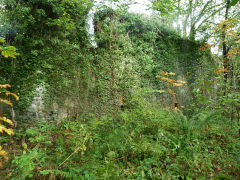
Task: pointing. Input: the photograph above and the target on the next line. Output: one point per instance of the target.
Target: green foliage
(164, 7)
(143, 143)
(50, 37)
(131, 50)
(233, 3)
(8, 51)
(110, 123)
(28, 162)
(144, 47)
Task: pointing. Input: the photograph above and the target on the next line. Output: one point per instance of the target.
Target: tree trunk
(225, 48)
(1, 113)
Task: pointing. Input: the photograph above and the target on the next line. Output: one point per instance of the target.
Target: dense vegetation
(143, 101)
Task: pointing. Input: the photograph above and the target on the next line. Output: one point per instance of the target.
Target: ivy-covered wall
(149, 47)
(51, 39)
(79, 78)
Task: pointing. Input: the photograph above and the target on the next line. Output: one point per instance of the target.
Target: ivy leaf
(9, 51)
(5, 54)
(159, 91)
(2, 40)
(233, 3)
(11, 48)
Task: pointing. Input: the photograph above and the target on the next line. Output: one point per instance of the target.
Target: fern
(193, 126)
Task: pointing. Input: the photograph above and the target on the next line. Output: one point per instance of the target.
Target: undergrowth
(142, 143)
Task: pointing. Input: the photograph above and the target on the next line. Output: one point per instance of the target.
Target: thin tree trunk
(225, 48)
(192, 23)
(13, 117)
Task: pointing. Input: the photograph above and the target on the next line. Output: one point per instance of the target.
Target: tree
(195, 16)
(224, 44)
